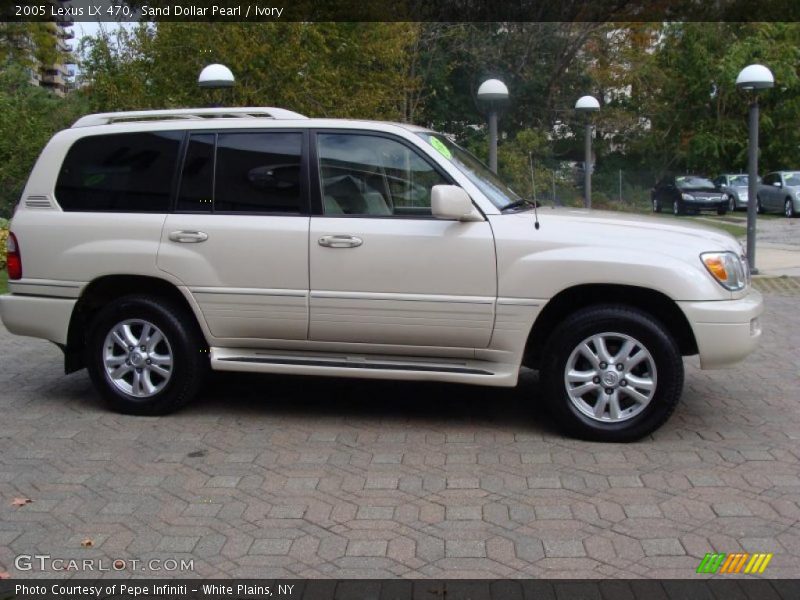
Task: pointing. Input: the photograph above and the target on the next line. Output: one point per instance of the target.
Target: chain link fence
(561, 184)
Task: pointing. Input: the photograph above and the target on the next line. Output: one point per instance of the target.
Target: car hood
(636, 232)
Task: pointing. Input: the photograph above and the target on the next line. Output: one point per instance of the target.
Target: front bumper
(726, 331)
(37, 316)
(699, 205)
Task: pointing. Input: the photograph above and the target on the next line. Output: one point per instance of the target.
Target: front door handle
(340, 241)
(188, 237)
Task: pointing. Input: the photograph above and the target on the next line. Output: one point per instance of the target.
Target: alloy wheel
(137, 358)
(610, 377)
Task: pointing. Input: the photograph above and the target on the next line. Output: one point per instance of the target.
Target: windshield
(791, 178)
(738, 180)
(478, 173)
(695, 183)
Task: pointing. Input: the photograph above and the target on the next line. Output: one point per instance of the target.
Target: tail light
(13, 258)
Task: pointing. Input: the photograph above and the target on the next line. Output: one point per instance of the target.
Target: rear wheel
(656, 205)
(788, 209)
(145, 356)
(613, 374)
(759, 209)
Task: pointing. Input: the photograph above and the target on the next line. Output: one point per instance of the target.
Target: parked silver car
(736, 186)
(780, 192)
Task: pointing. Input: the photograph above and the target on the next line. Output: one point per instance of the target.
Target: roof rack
(264, 112)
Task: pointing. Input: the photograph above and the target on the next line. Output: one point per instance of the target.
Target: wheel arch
(569, 300)
(98, 293)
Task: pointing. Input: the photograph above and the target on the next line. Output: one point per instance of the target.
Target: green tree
(322, 69)
(29, 116)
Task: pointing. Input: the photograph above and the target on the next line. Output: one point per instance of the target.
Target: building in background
(57, 76)
(43, 49)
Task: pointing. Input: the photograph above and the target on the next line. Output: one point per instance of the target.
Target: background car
(780, 192)
(736, 186)
(682, 193)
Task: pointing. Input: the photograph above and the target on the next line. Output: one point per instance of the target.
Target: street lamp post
(752, 79)
(586, 105)
(493, 92)
(215, 76)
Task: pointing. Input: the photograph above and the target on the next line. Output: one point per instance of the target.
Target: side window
(197, 179)
(770, 179)
(122, 172)
(375, 176)
(259, 172)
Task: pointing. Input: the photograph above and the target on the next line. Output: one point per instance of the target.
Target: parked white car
(152, 246)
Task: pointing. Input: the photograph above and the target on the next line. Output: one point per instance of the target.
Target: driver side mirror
(777, 184)
(452, 203)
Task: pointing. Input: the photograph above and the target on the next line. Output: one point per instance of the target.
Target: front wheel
(759, 209)
(145, 356)
(722, 210)
(678, 208)
(732, 204)
(788, 209)
(656, 205)
(613, 374)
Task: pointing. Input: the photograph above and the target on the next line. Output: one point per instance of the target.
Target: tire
(656, 206)
(722, 210)
(732, 204)
(678, 208)
(662, 365)
(788, 209)
(173, 345)
(759, 208)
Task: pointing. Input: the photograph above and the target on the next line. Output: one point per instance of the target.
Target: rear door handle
(340, 241)
(188, 237)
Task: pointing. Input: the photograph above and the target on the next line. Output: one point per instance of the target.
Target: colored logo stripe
(733, 563)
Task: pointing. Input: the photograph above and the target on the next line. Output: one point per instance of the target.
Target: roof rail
(267, 112)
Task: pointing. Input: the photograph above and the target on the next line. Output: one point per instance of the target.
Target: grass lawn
(3, 281)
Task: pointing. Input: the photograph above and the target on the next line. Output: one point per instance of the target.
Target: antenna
(533, 187)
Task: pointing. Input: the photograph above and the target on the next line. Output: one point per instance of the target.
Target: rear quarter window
(123, 172)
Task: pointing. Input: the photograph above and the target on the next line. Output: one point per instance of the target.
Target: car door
(238, 238)
(769, 191)
(382, 269)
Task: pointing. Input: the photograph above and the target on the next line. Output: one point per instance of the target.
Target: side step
(364, 366)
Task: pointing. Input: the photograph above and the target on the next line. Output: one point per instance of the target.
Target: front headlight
(727, 268)
(687, 197)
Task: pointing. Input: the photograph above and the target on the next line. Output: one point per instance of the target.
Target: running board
(365, 366)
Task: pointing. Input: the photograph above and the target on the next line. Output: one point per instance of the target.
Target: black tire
(759, 209)
(732, 207)
(628, 321)
(186, 344)
(788, 209)
(656, 205)
(678, 208)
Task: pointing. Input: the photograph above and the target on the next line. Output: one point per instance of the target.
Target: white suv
(152, 246)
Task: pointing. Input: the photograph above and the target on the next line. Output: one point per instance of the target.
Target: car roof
(221, 117)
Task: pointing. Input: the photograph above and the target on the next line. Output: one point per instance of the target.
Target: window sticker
(440, 147)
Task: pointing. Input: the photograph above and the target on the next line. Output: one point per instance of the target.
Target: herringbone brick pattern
(302, 477)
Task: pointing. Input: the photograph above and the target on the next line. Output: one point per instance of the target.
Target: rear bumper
(37, 316)
(726, 331)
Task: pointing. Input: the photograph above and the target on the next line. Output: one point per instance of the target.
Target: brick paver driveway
(287, 477)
